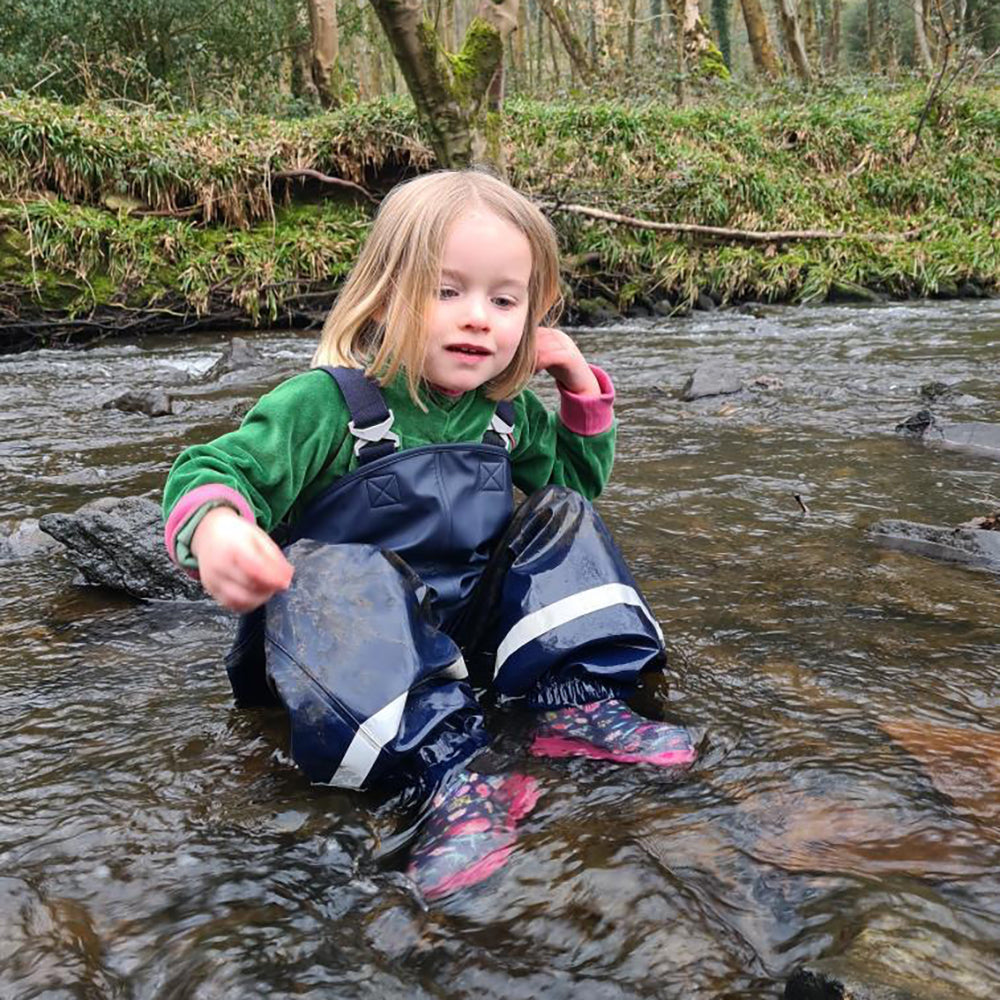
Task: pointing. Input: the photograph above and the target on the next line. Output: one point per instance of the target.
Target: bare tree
(555, 11)
(794, 41)
(325, 48)
(702, 55)
(923, 46)
(765, 58)
(453, 92)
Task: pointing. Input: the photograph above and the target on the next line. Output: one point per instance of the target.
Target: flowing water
(155, 842)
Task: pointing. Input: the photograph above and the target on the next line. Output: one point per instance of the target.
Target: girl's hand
(556, 353)
(240, 566)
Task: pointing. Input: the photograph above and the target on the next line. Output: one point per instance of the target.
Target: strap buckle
(500, 426)
(373, 434)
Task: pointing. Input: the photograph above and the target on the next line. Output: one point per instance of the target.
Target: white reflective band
(569, 608)
(368, 741)
(457, 671)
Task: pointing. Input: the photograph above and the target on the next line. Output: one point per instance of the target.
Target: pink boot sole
(519, 793)
(561, 746)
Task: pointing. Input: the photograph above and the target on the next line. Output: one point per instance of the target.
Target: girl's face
(477, 318)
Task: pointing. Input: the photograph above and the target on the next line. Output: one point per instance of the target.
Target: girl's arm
(221, 498)
(575, 447)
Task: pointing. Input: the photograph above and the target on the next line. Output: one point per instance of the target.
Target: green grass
(840, 159)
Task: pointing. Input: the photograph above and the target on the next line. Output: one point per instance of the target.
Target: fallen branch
(325, 179)
(720, 232)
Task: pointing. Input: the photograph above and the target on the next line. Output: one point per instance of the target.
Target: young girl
(386, 472)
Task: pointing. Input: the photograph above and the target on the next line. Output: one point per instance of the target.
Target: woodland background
(169, 164)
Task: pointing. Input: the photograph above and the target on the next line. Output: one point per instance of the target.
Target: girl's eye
(446, 292)
(504, 302)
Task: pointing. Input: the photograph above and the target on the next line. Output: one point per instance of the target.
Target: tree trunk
(701, 54)
(923, 48)
(325, 49)
(765, 59)
(630, 36)
(873, 60)
(794, 41)
(831, 56)
(656, 15)
(720, 21)
(809, 33)
(681, 54)
(575, 48)
(452, 92)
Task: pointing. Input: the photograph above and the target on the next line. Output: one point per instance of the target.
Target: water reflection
(156, 843)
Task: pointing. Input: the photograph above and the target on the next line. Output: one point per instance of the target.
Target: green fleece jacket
(294, 443)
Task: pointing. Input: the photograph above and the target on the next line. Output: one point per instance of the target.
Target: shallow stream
(156, 843)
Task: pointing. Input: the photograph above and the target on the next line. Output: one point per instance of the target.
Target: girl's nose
(476, 314)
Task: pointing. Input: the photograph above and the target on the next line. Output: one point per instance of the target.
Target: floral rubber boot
(610, 730)
(470, 831)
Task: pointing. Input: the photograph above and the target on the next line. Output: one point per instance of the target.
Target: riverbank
(140, 221)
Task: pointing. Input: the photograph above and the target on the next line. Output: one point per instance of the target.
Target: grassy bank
(110, 216)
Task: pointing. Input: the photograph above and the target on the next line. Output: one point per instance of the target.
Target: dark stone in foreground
(975, 437)
(119, 544)
(966, 545)
(152, 402)
(710, 380)
(834, 979)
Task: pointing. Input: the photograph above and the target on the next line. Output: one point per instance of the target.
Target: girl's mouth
(469, 350)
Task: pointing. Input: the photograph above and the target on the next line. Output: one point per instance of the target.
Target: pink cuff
(589, 415)
(191, 502)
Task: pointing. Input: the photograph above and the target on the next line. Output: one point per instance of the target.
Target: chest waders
(408, 560)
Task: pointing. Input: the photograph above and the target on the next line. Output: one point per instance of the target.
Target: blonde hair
(378, 322)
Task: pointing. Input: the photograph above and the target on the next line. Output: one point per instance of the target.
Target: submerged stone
(237, 354)
(975, 437)
(711, 380)
(967, 545)
(152, 402)
(894, 958)
(118, 543)
(24, 540)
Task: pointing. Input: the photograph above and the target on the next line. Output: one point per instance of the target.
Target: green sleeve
(547, 452)
(285, 441)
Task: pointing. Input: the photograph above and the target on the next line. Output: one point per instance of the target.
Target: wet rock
(23, 540)
(975, 437)
(962, 763)
(705, 303)
(710, 380)
(932, 391)
(967, 545)
(766, 383)
(237, 354)
(894, 958)
(971, 290)
(152, 402)
(118, 543)
(597, 311)
(241, 408)
(835, 979)
(847, 291)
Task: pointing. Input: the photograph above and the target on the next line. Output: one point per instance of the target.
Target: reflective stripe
(456, 671)
(372, 735)
(569, 608)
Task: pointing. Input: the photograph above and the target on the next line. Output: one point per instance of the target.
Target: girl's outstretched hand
(240, 566)
(556, 353)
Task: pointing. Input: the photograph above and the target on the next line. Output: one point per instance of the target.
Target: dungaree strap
(371, 420)
(501, 429)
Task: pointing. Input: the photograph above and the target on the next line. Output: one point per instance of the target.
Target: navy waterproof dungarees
(407, 561)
